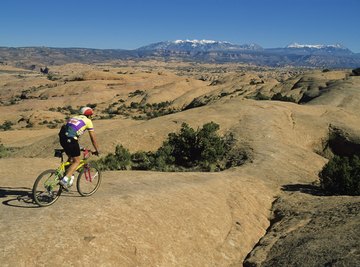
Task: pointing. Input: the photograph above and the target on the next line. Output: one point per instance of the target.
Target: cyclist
(69, 135)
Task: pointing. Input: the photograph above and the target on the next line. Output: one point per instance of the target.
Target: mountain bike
(47, 189)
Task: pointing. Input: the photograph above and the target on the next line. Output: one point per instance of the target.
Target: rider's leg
(75, 161)
(72, 149)
(68, 179)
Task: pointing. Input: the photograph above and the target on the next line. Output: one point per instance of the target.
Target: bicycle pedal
(65, 188)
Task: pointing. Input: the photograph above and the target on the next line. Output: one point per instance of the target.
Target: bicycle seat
(58, 152)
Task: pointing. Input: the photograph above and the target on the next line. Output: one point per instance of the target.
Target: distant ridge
(316, 46)
(295, 54)
(200, 45)
(316, 49)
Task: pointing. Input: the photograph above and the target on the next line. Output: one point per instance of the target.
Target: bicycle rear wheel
(89, 180)
(46, 189)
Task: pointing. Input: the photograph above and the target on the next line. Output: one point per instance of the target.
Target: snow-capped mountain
(318, 49)
(315, 46)
(200, 45)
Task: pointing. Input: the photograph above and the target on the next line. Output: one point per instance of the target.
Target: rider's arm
(93, 141)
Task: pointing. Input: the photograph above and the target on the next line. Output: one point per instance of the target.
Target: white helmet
(86, 111)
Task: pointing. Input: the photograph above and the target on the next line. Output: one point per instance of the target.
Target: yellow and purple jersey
(77, 125)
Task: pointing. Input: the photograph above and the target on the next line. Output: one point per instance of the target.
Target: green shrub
(183, 147)
(142, 160)
(3, 151)
(6, 126)
(163, 159)
(196, 150)
(121, 160)
(341, 175)
(52, 77)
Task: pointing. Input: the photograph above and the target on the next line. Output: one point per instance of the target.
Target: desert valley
(268, 211)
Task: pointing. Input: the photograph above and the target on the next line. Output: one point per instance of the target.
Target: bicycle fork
(88, 175)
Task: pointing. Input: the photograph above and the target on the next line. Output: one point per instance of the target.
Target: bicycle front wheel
(46, 189)
(88, 181)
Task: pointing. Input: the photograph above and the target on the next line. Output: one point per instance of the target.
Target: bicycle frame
(60, 171)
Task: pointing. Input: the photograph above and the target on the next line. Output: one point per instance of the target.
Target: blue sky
(134, 23)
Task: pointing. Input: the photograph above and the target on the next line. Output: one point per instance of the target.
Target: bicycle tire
(46, 190)
(88, 181)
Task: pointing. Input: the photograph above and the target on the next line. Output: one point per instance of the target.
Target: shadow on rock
(22, 195)
(304, 188)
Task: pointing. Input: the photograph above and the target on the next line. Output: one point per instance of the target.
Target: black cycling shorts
(70, 145)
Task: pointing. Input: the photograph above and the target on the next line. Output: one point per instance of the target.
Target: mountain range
(297, 55)
(200, 45)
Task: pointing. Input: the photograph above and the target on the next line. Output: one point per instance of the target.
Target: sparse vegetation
(30, 125)
(341, 176)
(52, 77)
(195, 150)
(139, 111)
(66, 110)
(4, 152)
(6, 126)
(76, 78)
(135, 93)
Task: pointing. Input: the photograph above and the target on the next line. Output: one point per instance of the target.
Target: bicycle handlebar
(86, 151)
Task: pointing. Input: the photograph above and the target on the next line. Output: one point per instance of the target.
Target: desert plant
(142, 160)
(6, 126)
(52, 77)
(29, 124)
(183, 145)
(72, 110)
(341, 175)
(134, 105)
(3, 151)
(121, 160)
(135, 93)
(197, 150)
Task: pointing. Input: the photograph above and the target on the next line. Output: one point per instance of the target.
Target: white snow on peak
(316, 46)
